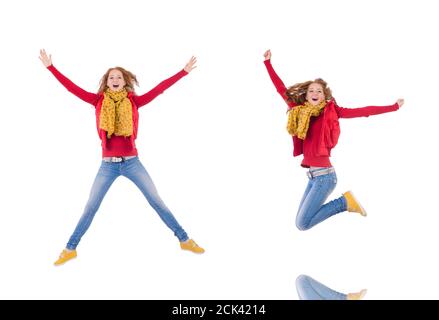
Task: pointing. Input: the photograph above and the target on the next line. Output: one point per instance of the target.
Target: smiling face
(115, 81)
(315, 94)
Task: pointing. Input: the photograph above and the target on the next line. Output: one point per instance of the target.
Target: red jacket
(117, 146)
(324, 130)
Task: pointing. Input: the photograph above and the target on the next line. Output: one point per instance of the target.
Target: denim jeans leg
(305, 194)
(136, 172)
(108, 172)
(312, 210)
(310, 289)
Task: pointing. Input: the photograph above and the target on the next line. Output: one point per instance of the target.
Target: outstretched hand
(400, 102)
(190, 65)
(267, 54)
(45, 59)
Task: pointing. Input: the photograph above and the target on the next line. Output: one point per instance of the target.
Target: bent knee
(302, 225)
(301, 279)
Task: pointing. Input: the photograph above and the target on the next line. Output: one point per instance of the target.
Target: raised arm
(278, 83)
(86, 96)
(367, 111)
(162, 86)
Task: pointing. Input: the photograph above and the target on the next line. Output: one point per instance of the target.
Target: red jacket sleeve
(159, 89)
(86, 96)
(280, 87)
(365, 111)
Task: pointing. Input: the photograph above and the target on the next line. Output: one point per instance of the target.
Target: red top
(117, 146)
(323, 130)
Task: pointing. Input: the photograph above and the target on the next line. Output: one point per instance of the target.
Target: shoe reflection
(310, 289)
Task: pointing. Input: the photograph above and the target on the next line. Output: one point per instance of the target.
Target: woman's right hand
(267, 55)
(45, 59)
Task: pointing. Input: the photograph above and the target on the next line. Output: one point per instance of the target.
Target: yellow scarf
(299, 118)
(116, 114)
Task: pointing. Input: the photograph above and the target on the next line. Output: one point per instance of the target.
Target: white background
(216, 146)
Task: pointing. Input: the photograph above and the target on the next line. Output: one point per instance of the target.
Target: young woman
(117, 119)
(310, 289)
(313, 122)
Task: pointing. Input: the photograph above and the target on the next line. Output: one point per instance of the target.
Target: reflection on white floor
(310, 289)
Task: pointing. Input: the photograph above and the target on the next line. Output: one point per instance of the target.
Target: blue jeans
(310, 289)
(312, 209)
(133, 170)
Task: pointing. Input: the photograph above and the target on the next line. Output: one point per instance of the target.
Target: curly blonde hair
(129, 77)
(297, 92)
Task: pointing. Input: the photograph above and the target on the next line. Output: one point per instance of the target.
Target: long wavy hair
(297, 92)
(129, 77)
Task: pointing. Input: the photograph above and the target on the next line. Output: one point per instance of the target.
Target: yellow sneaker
(191, 246)
(65, 256)
(353, 204)
(356, 295)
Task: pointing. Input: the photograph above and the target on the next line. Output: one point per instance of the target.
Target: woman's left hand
(400, 102)
(190, 65)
